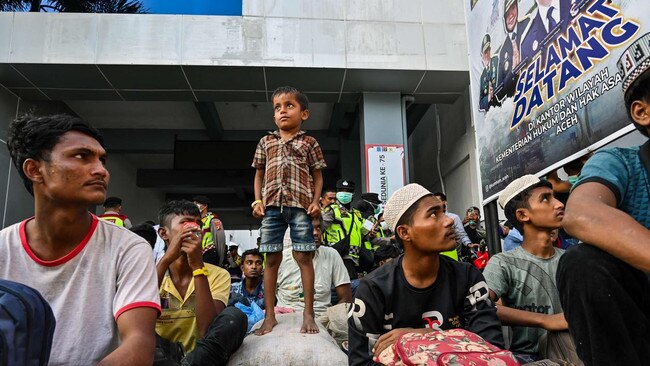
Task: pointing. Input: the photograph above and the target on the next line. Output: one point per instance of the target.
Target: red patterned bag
(454, 347)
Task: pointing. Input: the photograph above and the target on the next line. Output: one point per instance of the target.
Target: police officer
(487, 98)
(342, 224)
(510, 54)
(113, 212)
(214, 251)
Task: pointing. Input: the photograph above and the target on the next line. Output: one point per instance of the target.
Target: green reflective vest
(207, 233)
(336, 232)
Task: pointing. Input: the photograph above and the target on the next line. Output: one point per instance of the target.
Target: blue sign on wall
(194, 7)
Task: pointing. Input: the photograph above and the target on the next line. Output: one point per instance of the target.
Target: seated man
(194, 294)
(252, 286)
(523, 279)
(329, 271)
(98, 278)
(421, 289)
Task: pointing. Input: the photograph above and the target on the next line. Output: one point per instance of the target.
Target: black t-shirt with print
(386, 301)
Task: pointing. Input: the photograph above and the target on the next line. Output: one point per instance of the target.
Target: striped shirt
(288, 165)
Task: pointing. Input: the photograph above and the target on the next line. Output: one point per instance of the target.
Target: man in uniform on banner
(488, 76)
(510, 53)
(550, 14)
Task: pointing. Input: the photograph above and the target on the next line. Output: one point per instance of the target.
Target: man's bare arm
(344, 293)
(137, 332)
(591, 216)
(511, 316)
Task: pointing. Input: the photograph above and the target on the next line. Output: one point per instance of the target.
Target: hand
(474, 245)
(173, 251)
(313, 210)
(258, 211)
(387, 339)
(191, 246)
(555, 322)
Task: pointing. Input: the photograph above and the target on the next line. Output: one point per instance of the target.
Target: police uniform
(488, 78)
(507, 78)
(117, 219)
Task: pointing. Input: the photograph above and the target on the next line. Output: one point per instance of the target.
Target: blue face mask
(573, 179)
(344, 197)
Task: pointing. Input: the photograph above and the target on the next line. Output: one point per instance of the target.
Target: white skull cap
(402, 200)
(515, 187)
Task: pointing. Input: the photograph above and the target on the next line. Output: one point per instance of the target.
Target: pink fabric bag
(454, 347)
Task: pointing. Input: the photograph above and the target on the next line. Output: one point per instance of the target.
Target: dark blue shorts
(274, 225)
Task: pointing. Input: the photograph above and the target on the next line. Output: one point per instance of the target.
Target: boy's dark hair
(440, 195)
(176, 208)
(147, 232)
(407, 218)
(384, 252)
(639, 90)
(32, 137)
(254, 252)
(521, 201)
(300, 96)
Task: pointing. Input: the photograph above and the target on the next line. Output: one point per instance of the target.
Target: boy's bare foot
(308, 324)
(267, 326)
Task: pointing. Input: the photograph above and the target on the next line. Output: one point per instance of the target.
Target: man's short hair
(328, 190)
(147, 232)
(639, 90)
(112, 202)
(254, 252)
(300, 96)
(176, 208)
(440, 195)
(386, 251)
(32, 137)
(521, 201)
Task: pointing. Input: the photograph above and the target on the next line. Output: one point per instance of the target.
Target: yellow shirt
(177, 322)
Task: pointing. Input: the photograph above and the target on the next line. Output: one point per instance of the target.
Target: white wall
(374, 34)
(139, 204)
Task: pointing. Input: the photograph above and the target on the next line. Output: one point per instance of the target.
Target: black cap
(202, 199)
(112, 202)
(345, 183)
(371, 197)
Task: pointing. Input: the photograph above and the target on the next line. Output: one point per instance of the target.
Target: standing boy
(288, 183)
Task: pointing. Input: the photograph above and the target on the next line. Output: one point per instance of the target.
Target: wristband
(200, 272)
(255, 203)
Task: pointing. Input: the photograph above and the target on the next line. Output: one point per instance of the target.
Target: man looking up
(523, 279)
(214, 236)
(113, 212)
(421, 290)
(194, 294)
(603, 284)
(98, 278)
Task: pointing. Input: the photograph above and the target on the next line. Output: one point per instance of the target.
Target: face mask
(472, 223)
(384, 225)
(573, 179)
(344, 197)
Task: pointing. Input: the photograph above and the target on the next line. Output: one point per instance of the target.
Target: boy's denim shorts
(274, 225)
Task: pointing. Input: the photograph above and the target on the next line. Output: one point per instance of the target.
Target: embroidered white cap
(401, 200)
(515, 187)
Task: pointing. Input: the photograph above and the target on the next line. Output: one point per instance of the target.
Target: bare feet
(308, 324)
(267, 326)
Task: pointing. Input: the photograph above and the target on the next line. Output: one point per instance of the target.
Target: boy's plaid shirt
(288, 165)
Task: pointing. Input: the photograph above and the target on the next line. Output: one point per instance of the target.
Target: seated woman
(420, 289)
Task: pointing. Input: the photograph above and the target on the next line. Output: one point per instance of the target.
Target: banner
(545, 81)
(384, 170)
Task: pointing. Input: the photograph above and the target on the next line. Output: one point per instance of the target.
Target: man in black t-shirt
(420, 289)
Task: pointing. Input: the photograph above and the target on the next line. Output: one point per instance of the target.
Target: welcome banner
(545, 80)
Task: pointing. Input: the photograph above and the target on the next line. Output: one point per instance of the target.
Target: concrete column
(383, 143)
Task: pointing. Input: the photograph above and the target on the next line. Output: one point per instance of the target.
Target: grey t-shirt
(108, 273)
(526, 282)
